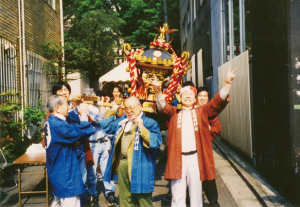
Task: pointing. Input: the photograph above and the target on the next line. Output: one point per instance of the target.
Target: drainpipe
(242, 26)
(24, 53)
(224, 32)
(231, 31)
(21, 68)
(62, 35)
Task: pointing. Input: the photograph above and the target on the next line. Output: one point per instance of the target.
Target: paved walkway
(233, 187)
(9, 197)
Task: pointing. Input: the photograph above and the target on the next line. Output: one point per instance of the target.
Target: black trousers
(210, 190)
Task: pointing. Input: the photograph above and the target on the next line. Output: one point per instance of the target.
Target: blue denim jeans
(100, 155)
(81, 161)
(88, 175)
(91, 181)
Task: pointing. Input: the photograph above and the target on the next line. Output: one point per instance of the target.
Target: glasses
(127, 109)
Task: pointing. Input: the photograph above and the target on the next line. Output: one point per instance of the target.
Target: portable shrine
(160, 59)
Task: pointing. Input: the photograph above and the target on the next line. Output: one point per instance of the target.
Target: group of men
(135, 141)
(82, 149)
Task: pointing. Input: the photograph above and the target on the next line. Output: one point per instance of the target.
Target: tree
(90, 40)
(53, 67)
(97, 25)
(141, 16)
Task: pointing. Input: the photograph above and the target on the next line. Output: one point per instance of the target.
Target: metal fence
(236, 117)
(38, 83)
(8, 66)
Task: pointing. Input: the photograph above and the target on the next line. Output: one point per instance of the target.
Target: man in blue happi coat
(133, 154)
(61, 159)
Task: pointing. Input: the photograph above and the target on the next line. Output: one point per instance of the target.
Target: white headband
(188, 89)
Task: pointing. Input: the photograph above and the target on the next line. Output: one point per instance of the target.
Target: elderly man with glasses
(133, 154)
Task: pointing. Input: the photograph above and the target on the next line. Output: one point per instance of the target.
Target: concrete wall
(77, 84)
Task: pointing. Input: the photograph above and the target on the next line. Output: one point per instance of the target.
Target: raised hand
(100, 102)
(115, 106)
(139, 122)
(156, 84)
(230, 76)
(83, 109)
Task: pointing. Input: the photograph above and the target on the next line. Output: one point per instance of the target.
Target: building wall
(78, 84)
(9, 20)
(9, 28)
(275, 80)
(216, 41)
(202, 37)
(294, 82)
(276, 53)
(42, 24)
(270, 75)
(195, 32)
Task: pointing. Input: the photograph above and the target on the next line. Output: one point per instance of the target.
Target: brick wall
(42, 24)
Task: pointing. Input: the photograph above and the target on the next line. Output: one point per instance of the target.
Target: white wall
(77, 84)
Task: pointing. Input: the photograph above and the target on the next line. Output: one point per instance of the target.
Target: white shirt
(188, 142)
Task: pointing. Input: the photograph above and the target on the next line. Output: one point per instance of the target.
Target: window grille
(8, 66)
(39, 86)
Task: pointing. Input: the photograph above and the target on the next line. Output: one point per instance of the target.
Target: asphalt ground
(9, 194)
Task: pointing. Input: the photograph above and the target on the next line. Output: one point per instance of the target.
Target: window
(238, 26)
(38, 84)
(8, 66)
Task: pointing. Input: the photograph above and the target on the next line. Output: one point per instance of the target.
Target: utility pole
(166, 19)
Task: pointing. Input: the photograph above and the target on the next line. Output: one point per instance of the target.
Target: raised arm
(109, 124)
(66, 133)
(228, 81)
(75, 131)
(161, 104)
(95, 115)
(219, 102)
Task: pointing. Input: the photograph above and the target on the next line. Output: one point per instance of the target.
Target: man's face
(132, 109)
(188, 98)
(64, 92)
(202, 98)
(63, 109)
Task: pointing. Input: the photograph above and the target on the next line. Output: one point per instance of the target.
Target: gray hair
(133, 98)
(88, 92)
(53, 101)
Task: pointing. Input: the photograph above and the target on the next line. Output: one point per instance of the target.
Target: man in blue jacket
(62, 163)
(133, 153)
